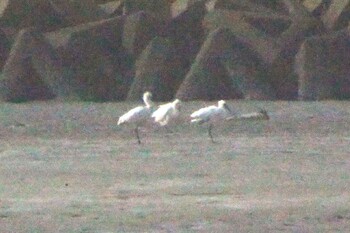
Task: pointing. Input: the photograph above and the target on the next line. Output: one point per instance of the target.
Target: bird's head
(147, 95)
(177, 104)
(223, 104)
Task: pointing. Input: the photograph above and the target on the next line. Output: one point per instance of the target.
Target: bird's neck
(149, 103)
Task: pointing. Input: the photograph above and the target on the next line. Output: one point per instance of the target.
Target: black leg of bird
(210, 126)
(137, 135)
(168, 130)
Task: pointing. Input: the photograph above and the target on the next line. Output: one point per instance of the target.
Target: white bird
(167, 112)
(139, 115)
(211, 115)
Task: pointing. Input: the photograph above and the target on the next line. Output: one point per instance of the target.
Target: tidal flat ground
(68, 167)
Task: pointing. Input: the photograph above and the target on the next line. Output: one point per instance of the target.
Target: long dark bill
(228, 109)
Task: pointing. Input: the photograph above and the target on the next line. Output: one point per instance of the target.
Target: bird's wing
(133, 115)
(161, 112)
(203, 112)
(203, 115)
(164, 105)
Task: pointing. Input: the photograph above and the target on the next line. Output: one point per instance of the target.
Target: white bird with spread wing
(211, 115)
(167, 112)
(139, 115)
